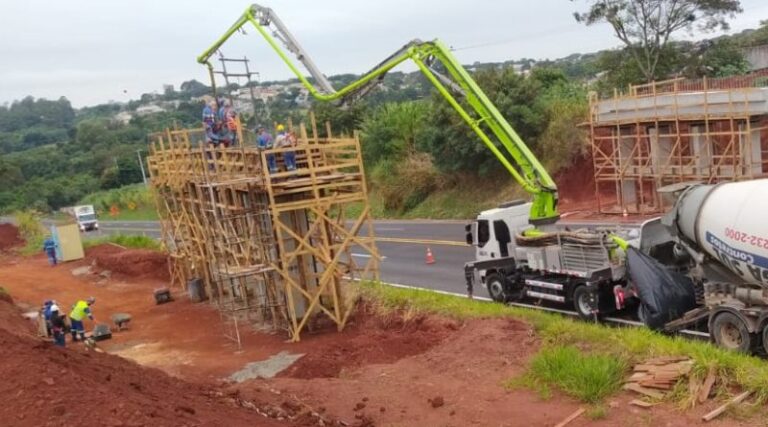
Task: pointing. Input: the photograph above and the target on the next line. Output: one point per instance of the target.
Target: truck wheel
(583, 300)
(765, 338)
(495, 284)
(731, 333)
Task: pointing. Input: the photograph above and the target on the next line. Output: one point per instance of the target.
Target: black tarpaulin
(665, 295)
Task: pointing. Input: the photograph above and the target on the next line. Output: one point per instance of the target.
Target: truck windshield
(87, 217)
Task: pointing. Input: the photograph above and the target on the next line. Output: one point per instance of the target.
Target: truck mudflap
(665, 295)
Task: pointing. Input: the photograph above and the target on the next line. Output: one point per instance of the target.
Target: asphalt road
(402, 263)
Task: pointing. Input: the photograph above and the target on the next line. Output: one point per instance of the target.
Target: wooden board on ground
(738, 399)
(571, 417)
(706, 389)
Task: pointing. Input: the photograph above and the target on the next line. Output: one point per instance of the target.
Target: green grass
(627, 345)
(128, 241)
(31, 230)
(143, 213)
(134, 202)
(587, 377)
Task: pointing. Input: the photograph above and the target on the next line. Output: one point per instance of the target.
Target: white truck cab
(554, 264)
(85, 215)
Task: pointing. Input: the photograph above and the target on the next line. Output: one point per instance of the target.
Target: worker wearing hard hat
(80, 310)
(264, 142)
(57, 325)
(285, 140)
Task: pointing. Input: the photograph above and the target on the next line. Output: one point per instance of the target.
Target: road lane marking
(366, 255)
(421, 241)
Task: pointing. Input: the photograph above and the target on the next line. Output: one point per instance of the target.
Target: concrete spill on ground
(265, 368)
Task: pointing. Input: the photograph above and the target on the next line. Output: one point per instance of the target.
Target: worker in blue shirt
(209, 123)
(49, 247)
(264, 142)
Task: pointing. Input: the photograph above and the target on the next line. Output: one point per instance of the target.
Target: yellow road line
(421, 241)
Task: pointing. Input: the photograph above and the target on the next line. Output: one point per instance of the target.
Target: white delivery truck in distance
(85, 216)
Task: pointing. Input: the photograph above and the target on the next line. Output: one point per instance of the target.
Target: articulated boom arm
(484, 116)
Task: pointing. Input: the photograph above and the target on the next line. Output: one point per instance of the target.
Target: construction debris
(706, 389)
(640, 403)
(656, 376)
(738, 399)
(571, 417)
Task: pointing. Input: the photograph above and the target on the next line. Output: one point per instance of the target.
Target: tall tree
(645, 26)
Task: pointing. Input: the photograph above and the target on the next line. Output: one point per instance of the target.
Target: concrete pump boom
(524, 166)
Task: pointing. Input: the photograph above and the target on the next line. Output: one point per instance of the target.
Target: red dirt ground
(9, 237)
(46, 385)
(141, 263)
(378, 371)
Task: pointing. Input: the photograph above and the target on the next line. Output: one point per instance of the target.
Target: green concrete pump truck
(521, 250)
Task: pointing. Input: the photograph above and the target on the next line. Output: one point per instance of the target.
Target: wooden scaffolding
(270, 250)
(677, 131)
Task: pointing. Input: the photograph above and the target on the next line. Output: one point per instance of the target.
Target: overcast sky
(93, 51)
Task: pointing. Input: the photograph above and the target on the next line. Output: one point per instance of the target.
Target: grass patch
(587, 377)
(31, 230)
(597, 412)
(128, 241)
(627, 345)
(132, 203)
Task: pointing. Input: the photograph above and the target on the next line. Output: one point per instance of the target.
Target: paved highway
(403, 263)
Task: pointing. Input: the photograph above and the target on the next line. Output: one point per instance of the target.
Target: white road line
(366, 255)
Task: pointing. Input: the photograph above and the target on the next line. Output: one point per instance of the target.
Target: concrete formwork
(675, 131)
(271, 249)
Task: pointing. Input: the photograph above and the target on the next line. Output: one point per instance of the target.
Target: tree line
(413, 142)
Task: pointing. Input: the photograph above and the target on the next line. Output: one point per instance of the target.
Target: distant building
(168, 88)
(123, 117)
(146, 110)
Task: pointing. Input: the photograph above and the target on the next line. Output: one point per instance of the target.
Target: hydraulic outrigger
(523, 166)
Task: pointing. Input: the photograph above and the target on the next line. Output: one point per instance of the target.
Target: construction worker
(209, 121)
(264, 142)
(80, 310)
(49, 247)
(57, 325)
(230, 124)
(46, 311)
(285, 140)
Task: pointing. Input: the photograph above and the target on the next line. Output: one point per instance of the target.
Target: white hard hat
(54, 307)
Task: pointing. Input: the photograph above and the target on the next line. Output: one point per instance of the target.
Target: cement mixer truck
(719, 236)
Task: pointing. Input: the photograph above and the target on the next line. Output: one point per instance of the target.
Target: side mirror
(469, 235)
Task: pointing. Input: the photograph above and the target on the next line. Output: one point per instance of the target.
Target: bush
(32, 230)
(404, 184)
(129, 197)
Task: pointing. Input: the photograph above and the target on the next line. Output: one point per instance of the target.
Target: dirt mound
(576, 186)
(11, 318)
(9, 237)
(372, 339)
(136, 263)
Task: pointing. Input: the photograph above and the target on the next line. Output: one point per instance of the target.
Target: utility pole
(141, 165)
